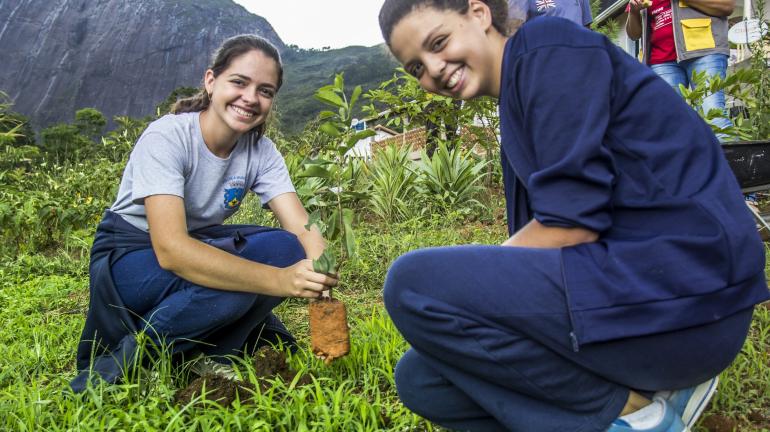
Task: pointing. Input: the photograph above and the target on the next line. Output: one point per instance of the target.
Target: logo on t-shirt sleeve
(234, 192)
(544, 5)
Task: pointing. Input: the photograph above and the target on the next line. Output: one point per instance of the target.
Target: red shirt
(662, 48)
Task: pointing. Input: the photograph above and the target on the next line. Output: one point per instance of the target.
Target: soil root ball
(329, 335)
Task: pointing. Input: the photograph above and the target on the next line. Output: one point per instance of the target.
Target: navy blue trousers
(183, 315)
(489, 329)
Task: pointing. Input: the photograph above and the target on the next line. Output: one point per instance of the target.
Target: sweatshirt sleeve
(564, 94)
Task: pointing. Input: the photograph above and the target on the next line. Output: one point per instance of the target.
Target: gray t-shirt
(171, 158)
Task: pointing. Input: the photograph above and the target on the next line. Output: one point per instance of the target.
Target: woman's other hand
(636, 6)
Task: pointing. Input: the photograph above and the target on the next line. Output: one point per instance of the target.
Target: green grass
(43, 300)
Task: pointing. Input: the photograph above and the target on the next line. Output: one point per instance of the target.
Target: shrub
(450, 180)
(393, 184)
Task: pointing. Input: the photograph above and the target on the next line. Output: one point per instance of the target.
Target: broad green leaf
(326, 114)
(330, 129)
(350, 241)
(344, 148)
(332, 259)
(329, 98)
(333, 226)
(314, 218)
(326, 263)
(339, 82)
(315, 171)
(354, 97)
(318, 161)
(362, 134)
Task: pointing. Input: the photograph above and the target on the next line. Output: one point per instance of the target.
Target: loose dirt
(268, 364)
(719, 423)
(220, 389)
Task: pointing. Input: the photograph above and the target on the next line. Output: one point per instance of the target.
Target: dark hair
(231, 49)
(393, 11)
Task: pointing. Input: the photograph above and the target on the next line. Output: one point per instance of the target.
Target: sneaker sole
(698, 402)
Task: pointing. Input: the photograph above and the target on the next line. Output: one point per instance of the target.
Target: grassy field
(43, 299)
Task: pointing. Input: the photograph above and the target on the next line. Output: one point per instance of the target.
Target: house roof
(609, 9)
(386, 130)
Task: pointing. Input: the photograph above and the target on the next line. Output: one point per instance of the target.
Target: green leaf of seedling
(319, 161)
(339, 82)
(315, 171)
(326, 263)
(332, 267)
(358, 136)
(364, 134)
(344, 148)
(314, 218)
(358, 196)
(354, 97)
(333, 227)
(330, 129)
(326, 114)
(350, 241)
(321, 264)
(329, 97)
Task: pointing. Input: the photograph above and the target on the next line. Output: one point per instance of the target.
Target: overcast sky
(316, 24)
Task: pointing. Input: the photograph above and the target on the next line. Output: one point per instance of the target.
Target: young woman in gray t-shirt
(163, 261)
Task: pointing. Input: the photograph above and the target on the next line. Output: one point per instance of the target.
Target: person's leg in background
(672, 73)
(712, 65)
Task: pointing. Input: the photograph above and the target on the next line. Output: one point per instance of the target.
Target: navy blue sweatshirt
(591, 138)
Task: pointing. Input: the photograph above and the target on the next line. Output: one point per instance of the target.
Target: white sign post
(747, 31)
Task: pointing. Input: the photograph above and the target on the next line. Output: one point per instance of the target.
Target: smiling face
(451, 54)
(242, 95)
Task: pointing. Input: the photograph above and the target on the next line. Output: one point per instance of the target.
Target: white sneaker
(204, 365)
(658, 416)
(690, 402)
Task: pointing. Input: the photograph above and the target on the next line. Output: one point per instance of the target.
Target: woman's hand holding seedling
(300, 280)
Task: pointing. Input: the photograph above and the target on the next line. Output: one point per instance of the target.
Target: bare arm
(536, 235)
(634, 20)
(208, 266)
(293, 218)
(717, 8)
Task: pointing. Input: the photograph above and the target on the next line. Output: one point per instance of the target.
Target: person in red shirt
(679, 38)
(662, 44)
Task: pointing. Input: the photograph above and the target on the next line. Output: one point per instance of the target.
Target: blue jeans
(181, 314)
(680, 73)
(489, 328)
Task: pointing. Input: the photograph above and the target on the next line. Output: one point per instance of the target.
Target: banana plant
(333, 214)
